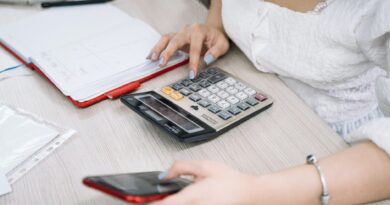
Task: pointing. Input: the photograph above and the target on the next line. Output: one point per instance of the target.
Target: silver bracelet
(311, 159)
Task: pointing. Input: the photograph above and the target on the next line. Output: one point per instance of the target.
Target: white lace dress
(336, 58)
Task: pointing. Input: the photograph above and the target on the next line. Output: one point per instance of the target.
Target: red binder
(113, 94)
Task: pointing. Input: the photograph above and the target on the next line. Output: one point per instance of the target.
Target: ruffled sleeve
(373, 38)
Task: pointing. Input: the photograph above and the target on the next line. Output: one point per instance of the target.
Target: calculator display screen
(164, 110)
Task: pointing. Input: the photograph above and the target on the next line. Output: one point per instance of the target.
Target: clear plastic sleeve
(25, 140)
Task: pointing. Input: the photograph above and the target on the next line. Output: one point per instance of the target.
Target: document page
(5, 187)
(78, 47)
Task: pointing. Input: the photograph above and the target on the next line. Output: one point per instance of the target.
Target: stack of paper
(87, 50)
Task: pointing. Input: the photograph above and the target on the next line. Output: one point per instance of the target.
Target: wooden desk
(113, 139)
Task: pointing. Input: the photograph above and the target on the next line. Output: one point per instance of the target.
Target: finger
(218, 49)
(195, 51)
(175, 44)
(160, 46)
(192, 168)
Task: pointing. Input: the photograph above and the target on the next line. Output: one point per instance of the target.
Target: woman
(335, 56)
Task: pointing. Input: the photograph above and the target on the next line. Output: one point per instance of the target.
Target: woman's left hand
(214, 183)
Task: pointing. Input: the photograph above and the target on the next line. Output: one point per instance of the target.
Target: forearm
(214, 17)
(357, 175)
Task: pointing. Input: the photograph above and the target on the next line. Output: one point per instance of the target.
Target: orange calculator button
(167, 90)
(176, 95)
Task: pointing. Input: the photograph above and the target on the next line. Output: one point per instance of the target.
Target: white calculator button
(222, 85)
(250, 91)
(240, 86)
(223, 104)
(223, 94)
(231, 90)
(233, 100)
(214, 98)
(204, 93)
(242, 95)
(213, 89)
(230, 81)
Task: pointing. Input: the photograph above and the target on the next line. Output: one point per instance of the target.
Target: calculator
(202, 108)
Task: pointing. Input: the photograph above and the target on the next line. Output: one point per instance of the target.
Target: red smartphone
(136, 187)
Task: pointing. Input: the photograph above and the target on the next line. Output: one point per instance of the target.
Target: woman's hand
(214, 183)
(196, 39)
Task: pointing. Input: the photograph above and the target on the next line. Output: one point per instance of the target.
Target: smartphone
(136, 187)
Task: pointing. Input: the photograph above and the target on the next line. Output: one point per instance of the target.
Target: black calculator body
(202, 108)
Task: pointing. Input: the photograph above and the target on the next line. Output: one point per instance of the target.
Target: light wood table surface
(113, 139)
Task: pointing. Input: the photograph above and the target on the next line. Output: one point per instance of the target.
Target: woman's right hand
(197, 40)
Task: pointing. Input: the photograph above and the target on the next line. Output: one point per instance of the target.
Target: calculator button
(234, 110)
(252, 102)
(214, 109)
(203, 103)
(230, 81)
(177, 86)
(222, 85)
(250, 91)
(241, 95)
(197, 79)
(176, 95)
(195, 87)
(204, 74)
(213, 89)
(195, 98)
(185, 92)
(224, 115)
(204, 93)
(212, 71)
(223, 94)
(214, 98)
(243, 106)
(167, 90)
(261, 97)
(231, 90)
(186, 82)
(216, 78)
(223, 104)
(204, 84)
(232, 100)
(240, 86)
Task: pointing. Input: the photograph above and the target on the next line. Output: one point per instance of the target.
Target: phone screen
(140, 184)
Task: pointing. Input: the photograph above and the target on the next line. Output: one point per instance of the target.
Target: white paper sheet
(7, 60)
(5, 187)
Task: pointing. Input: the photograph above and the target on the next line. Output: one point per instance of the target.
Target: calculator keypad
(216, 91)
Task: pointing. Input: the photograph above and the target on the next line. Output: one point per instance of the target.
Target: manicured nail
(161, 62)
(162, 175)
(154, 56)
(208, 59)
(191, 75)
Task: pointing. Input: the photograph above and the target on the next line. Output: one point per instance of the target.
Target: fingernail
(161, 62)
(191, 75)
(154, 56)
(208, 59)
(162, 175)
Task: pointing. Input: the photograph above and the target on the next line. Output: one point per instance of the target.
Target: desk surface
(113, 139)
